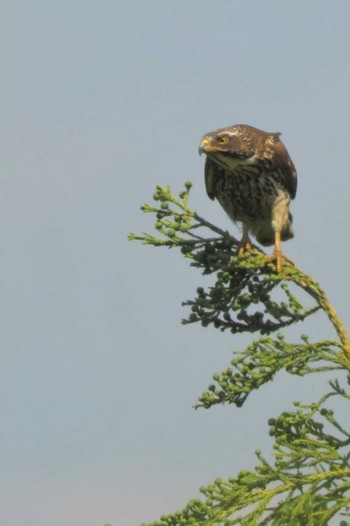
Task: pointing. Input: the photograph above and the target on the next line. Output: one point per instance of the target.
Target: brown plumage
(250, 173)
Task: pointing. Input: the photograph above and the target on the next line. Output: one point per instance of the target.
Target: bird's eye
(223, 139)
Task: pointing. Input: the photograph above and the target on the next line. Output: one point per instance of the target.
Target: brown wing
(284, 164)
(210, 177)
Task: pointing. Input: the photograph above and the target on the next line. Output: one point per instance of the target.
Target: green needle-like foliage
(261, 360)
(309, 481)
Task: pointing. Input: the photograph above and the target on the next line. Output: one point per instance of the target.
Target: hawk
(250, 173)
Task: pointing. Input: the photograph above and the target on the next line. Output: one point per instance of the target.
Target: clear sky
(100, 101)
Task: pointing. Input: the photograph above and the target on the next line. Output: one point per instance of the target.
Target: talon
(245, 244)
(279, 258)
(278, 255)
(244, 247)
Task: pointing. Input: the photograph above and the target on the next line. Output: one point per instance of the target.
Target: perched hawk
(252, 176)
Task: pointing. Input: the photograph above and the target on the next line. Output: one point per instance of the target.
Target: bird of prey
(250, 173)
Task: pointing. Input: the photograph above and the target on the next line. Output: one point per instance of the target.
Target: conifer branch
(309, 481)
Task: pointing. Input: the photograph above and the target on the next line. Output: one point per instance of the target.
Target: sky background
(100, 101)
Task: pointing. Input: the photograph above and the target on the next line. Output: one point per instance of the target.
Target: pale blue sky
(101, 101)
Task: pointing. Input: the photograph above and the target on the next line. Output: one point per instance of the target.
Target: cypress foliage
(309, 481)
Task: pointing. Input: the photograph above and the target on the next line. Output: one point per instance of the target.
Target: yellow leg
(245, 244)
(278, 255)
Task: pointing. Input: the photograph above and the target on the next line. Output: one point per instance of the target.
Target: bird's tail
(265, 235)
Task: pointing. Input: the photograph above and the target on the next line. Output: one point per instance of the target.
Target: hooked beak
(203, 148)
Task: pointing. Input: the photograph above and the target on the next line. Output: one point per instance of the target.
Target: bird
(251, 174)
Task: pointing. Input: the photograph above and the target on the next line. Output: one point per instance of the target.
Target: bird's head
(229, 146)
